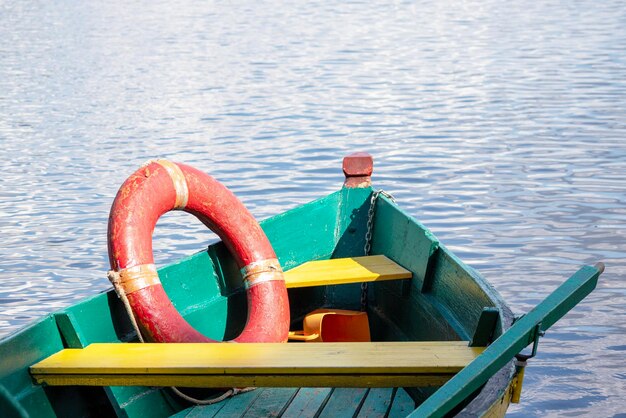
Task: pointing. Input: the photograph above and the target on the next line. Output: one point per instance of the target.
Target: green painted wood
(231, 407)
(24, 348)
(520, 335)
(9, 405)
(402, 404)
(307, 402)
(351, 226)
(182, 414)
(237, 405)
(308, 232)
(411, 245)
(460, 292)
(343, 403)
(271, 403)
(17, 353)
(104, 309)
(401, 238)
(416, 316)
(376, 403)
(37, 404)
(71, 337)
(190, 282)
(219, 318)
(485, 329)
(201, 411)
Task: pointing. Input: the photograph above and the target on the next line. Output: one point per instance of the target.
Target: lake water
(501, 126)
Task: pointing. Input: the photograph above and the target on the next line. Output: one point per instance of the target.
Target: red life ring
(158, 187)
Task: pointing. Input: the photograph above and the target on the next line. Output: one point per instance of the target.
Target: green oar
(515, 339)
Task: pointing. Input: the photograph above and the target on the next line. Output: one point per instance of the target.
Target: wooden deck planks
(345, 270)
(307, 402)
(237, 405)
(201, 411)
(343, 403)
(271, 402)
(402, 404)
(376, 403)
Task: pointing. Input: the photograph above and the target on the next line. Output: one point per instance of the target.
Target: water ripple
(501, 126)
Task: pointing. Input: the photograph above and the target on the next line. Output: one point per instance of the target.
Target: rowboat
(443, 341)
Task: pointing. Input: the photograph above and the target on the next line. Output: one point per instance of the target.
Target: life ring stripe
(180, 183)
(262, 271)
(138, 277)
(271, 264)
(264, 277)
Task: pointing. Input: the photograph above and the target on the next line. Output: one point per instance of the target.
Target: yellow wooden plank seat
(378, 364)
(345, 270)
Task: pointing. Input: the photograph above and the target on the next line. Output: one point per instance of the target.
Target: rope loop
(229, 393)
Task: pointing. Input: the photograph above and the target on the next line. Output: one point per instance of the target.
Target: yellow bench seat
(378, 364)
(345, 270)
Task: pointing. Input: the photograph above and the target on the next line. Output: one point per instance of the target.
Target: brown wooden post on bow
(358, 168)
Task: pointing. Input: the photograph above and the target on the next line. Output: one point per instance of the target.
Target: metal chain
(368, 237)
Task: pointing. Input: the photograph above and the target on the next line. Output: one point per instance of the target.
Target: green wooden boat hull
(443, 301)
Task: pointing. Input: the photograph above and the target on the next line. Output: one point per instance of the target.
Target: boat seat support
(486, 327)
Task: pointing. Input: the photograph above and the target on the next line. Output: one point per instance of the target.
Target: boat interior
(443, 300)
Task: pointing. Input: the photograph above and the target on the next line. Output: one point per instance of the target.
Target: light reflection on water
(500, 126)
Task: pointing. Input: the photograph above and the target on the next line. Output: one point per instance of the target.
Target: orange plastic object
(333, 325)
